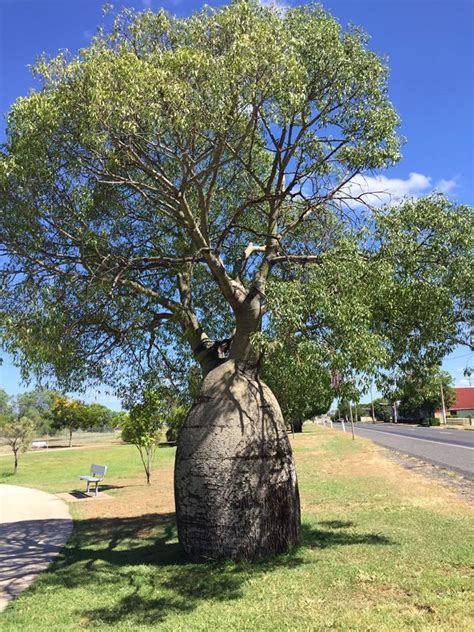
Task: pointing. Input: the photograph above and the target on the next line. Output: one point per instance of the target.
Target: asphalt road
(453, 449)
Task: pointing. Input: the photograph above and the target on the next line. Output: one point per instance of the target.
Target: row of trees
(42, 412)
(46, 412)
(417, 397)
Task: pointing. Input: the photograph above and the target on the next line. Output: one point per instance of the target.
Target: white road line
(446, 445)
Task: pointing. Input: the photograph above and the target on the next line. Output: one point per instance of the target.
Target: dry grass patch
(134, 497)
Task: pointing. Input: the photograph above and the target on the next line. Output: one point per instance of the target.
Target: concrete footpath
(34, 527)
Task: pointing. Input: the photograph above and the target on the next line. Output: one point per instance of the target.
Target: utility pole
(372, 402)
(352, 421)
(442, 403)
(395, 404)
(395, 412)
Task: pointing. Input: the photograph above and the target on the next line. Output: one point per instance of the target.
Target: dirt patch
(132, 497)
(462, 486)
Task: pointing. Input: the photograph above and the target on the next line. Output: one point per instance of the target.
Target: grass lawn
(79, 439)
(381, 549)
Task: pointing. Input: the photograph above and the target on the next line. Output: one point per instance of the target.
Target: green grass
(57, 470)
(79, 439)
(380, 550)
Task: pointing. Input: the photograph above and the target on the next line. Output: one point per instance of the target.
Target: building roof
(464, 398)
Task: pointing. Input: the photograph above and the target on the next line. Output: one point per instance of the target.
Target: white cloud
(104, 398)
(446, 186)
(278, 5)
(380, 189)
(463, 382)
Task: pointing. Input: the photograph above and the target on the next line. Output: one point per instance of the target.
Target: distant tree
(420, 395)
(17, 432)
(143, 427)
(344, 410)
(37, 405)
(69, 414)
(293, 371)
(22, 416)
(98, 416)
(382, 409)
(5, 400)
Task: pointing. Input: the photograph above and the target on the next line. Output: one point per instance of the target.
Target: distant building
(463, 405)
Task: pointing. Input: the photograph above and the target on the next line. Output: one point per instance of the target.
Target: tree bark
(15, 467)
(297, 426)
(235, 481)
(70, 437)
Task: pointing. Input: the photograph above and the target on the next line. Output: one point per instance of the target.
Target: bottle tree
(181, 190)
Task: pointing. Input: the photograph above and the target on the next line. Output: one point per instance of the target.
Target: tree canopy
(183, 184)
(420, 395)
(300, 381)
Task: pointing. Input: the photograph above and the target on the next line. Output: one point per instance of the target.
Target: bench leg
(87, 487)
(96, 488)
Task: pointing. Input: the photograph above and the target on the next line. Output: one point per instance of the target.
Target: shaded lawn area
(381, 549)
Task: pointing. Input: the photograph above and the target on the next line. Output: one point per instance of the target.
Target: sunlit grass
(381, 550)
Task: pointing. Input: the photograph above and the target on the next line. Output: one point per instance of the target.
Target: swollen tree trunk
(235, 482)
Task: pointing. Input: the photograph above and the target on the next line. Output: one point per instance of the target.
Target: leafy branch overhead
(179, 179)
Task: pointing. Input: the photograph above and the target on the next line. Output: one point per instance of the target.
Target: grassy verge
(382, 549)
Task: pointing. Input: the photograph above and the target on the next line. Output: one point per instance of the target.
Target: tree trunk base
(235, 481)
(298, 426)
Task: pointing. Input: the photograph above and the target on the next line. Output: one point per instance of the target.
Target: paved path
(34, 526)
(453, 449)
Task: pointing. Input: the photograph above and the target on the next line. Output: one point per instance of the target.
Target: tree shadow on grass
(323, 538)
(142, 575)
(336, 524)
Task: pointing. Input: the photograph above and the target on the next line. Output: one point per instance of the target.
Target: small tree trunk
(15, 467)
(298, 426)
(235, 482)
(70, 437)
(148, 468)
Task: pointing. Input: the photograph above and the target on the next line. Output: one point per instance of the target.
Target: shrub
(430, 421)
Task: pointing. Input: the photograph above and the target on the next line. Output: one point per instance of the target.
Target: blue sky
(430, 48)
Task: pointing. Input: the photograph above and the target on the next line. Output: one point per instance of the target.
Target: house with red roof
(463, 405)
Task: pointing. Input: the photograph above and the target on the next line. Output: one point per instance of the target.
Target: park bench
(39, 444)
(97, 473)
